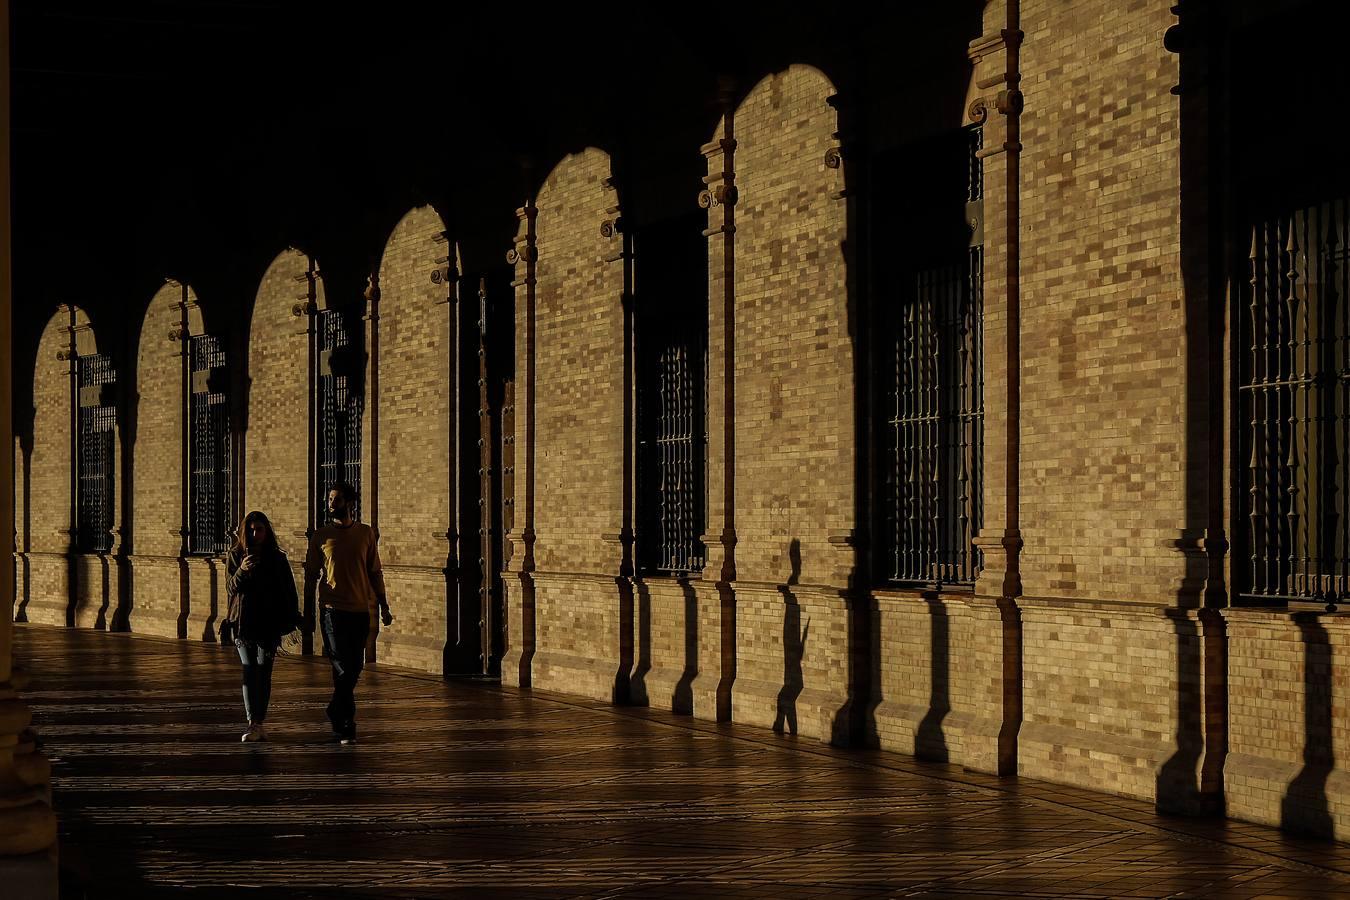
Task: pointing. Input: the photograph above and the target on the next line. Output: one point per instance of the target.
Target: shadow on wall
(930, 742)
(794, 646)
(1176, 785)
(1305, 807)
(682, 698)
(637, 685)
(624, 690)
(209, 630)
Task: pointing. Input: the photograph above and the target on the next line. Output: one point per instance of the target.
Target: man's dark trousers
(345, 633)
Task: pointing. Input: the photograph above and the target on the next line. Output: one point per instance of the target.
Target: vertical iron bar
(1256, 470)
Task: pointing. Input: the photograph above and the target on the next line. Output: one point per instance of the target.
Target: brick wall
(1102, 316)
(276, 454)
(1102, 688)
(794, 401)
(1287, 726)
(414, 491)
(49, 475)
(1102, 413)
(579, 425)
(156, 509)
(206, 597)
(794, 364)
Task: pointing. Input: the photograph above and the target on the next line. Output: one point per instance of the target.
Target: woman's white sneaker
(254, 733)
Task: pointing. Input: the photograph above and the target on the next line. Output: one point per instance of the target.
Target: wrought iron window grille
(672, 431)
(1292, 363)
(209, 473)
(96, 452)
(341, 404)
(934, 403)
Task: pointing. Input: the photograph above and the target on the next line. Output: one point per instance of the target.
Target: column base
(33, 876)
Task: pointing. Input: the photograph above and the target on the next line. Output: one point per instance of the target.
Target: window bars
(935, 426)
(671, 467)
(96, 449)
(1293, 409)
(341, 403)
(210, 449)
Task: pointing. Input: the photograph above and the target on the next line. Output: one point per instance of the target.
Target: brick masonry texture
(48, 539)
(794, 404)
(794, 369)
(1103, 325)
(156, 508)
(579, 432)
(414, 470)
(1287, 723)
(276, 454)
(1103, 329)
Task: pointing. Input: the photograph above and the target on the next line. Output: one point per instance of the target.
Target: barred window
(933, 396)
(341, 403)
(209, 449)
(96, 452)
(672, 324)
(1293, 416)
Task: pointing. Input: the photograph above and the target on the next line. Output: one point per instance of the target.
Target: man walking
(343, 563)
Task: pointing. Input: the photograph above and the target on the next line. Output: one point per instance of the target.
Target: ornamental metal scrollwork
(611, 227)
(978, 111)
(302, 309)
(834, 157)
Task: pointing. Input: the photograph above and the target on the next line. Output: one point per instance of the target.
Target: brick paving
(465, 789)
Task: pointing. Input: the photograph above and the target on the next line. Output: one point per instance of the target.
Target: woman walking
(263, 607)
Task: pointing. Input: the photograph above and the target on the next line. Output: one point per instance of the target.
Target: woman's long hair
(269, 543)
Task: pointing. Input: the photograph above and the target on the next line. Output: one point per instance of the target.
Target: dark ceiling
(163, 135)
(198, 138)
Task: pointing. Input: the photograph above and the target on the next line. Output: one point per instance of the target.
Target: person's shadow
(794, 646)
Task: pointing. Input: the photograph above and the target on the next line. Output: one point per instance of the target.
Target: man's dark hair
(345, 489)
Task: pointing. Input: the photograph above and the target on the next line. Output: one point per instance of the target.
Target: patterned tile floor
(463, 789)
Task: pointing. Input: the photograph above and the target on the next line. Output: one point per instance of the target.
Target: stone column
(27, 823)
(992, 694)
(717, 603)
(517, 662)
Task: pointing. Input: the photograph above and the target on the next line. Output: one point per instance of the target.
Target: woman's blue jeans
(257, 659)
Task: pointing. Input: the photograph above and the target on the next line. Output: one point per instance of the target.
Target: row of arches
(129, 485)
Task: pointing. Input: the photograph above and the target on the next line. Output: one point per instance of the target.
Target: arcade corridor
(466, 789)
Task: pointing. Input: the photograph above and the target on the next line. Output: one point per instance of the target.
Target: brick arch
(276, 445)
(409, 484)
(577, 447)
(578, 341)
(48, 577)
(159, 603)
(791, 280)
(778, 272)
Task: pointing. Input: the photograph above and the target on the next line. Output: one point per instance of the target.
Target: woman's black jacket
(263, 604)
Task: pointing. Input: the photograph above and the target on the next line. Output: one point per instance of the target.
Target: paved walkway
(463, 789)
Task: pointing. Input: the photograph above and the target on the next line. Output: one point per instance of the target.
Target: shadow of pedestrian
(794, 646)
